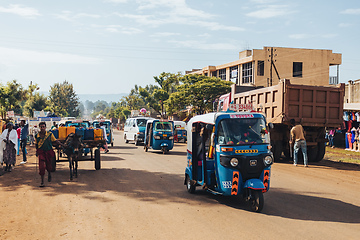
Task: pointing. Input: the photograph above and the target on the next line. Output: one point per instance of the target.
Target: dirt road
(138, 195)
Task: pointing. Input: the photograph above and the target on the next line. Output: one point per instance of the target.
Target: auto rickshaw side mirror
(271, 125)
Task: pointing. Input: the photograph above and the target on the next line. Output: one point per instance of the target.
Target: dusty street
(138, 195)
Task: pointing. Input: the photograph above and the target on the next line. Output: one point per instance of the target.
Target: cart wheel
(189, 187)
(53, 164)
(257, 201)
(97, 159)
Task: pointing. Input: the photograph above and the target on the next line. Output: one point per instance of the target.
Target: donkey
(73, 148)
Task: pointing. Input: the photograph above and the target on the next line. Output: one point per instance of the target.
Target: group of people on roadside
(12, 139)
(43, 139)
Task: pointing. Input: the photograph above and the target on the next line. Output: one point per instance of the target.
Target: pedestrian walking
(23, 139)
(105, 137)
(44, 151)
(331, 137)
(8, 146)
(297, 137)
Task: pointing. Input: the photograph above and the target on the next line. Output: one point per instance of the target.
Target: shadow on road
(164, 188)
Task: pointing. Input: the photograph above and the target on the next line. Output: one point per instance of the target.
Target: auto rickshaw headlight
(171, 137)
(268, 160)
(157, 137)
(234, 162)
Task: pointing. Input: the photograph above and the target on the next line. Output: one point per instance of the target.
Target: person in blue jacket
(23, 139)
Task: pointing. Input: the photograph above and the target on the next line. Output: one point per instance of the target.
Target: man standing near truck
(297, 137)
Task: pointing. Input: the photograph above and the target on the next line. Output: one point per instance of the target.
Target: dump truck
(314, 107)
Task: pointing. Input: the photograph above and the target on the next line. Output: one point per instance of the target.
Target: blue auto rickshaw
(109, 130)
(228, 153)
(159, 135)
(180, 131)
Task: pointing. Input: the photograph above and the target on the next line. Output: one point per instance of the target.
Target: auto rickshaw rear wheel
(256, 200)
(189, 186)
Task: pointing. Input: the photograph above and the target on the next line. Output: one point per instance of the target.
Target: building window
(260, 68)
(206, 74)
(222, 74)
(247, 73)
(297, 69)
(234, 74)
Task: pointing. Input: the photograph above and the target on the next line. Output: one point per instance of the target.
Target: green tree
(63, 100)
(11, 97)
(156, 96)
(197, 91)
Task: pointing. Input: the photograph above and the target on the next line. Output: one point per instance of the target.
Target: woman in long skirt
(8, 146)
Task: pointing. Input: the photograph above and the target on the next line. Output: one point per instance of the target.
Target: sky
(108, 46)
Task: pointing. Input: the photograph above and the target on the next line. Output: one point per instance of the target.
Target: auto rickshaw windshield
(163, 126)
(242, 131)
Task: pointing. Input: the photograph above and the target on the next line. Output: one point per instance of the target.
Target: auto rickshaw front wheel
(256, 200)
(189, 186)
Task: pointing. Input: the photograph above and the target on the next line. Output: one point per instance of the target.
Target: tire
(53, 164)
(112, 144)
(97, 159)
(136, 141)
(312, 153)
(145, 148)
(257, 201)
(126, 141)
(277, 150)
(189, 187)
(321, 152)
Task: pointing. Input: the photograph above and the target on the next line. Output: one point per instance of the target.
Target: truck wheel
(312, 153)
(321, 152)
(257, 201)
(277, 150)
(97, 159)
(189, 187)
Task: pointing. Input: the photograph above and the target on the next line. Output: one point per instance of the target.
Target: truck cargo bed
(315, 106)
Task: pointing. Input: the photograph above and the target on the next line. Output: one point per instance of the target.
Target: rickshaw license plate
(164, 135)
(253, 163)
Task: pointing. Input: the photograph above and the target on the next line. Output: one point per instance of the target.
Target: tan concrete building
(352, 95)
(265, 67)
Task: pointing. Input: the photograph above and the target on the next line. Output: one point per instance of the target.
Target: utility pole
(272, 64)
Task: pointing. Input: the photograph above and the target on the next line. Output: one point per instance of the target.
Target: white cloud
(156, 21)
(344, 25)
(11, 56)
(205, 46)
(304, 35)
(20, 10)
(69, 16)
(166, 12)
(117, 1)
(270, 11)
(351, 11)
(118, 29)
(164, 34)
(299, 36)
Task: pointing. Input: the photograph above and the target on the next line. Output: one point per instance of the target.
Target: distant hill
(102, 97)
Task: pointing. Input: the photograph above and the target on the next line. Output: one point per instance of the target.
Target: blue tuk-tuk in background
(159, 135)
(228, 153)
(109, 130)
(180, 131)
